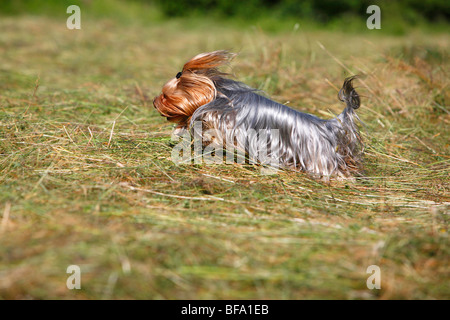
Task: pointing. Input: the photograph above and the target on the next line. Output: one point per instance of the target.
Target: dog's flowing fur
(231, 109)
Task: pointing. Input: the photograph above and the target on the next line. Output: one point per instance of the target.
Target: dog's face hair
(192, 88)
(320, 147)
(181, 97)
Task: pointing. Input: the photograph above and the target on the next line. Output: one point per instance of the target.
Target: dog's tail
(349, 95)
(350, 145)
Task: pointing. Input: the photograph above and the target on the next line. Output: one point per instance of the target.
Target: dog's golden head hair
(192, 87)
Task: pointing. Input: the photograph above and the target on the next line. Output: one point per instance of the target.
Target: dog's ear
(208, 63)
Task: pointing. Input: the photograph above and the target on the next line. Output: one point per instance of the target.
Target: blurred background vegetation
(271, 15)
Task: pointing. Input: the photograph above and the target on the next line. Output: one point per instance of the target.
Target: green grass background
(86, 175)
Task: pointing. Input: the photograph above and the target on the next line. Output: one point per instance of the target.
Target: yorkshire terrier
(242, 118)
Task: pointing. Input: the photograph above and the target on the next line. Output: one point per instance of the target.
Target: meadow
(86, 176)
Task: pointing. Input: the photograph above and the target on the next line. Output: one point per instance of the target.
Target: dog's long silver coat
(320, 147)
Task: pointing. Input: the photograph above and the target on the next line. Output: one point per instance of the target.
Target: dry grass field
(86, 176)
